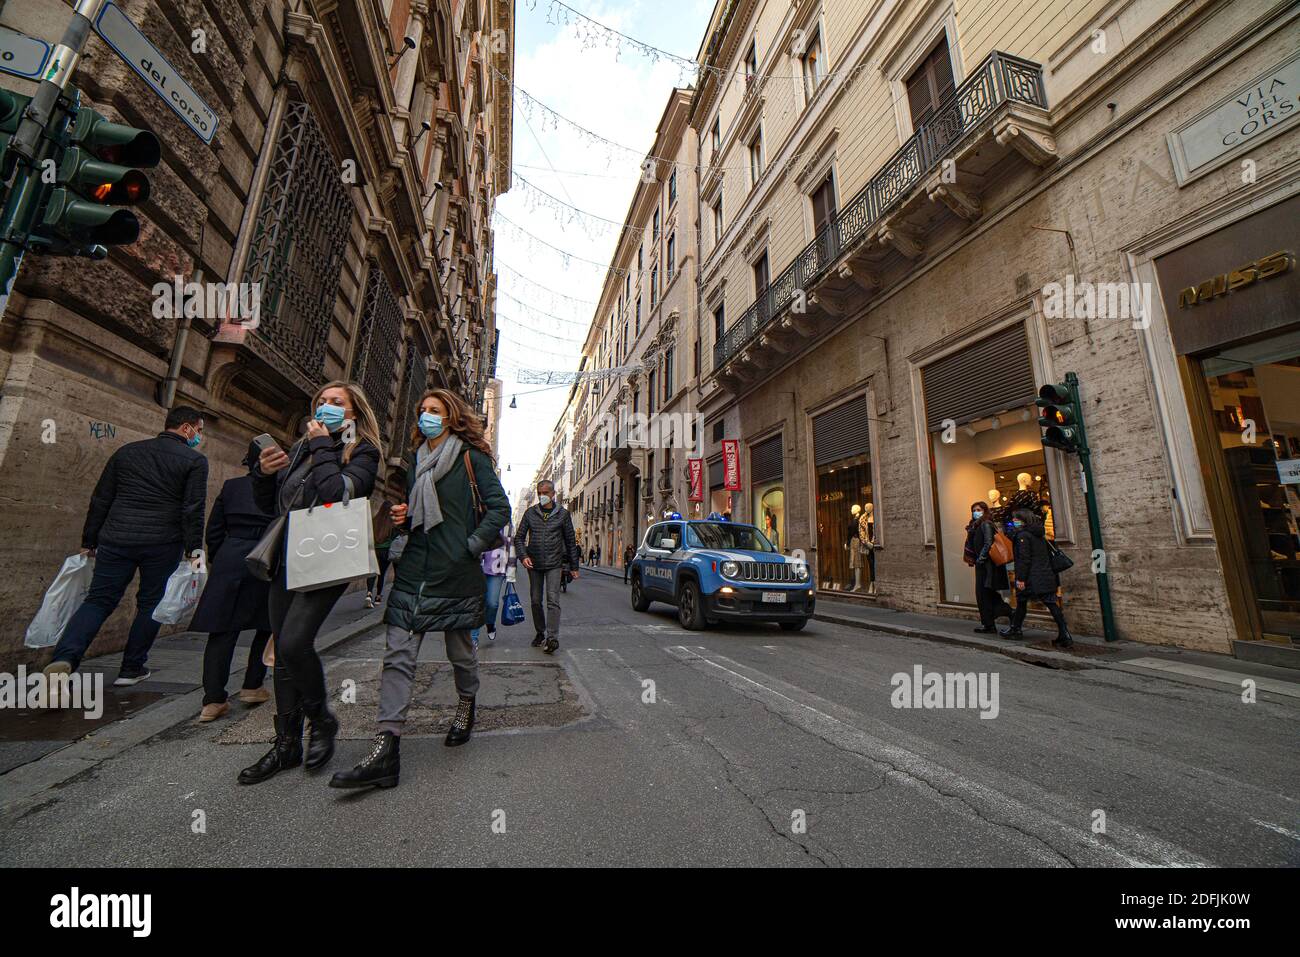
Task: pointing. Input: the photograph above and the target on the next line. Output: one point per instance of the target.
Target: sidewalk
(172, 693)
(1204, 669)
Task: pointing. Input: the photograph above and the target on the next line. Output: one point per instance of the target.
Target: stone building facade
(360, 150)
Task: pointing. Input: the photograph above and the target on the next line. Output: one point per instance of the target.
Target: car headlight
(801, 572)
(730, 569)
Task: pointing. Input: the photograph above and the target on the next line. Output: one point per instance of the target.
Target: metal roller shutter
(716, 477)
(842, 433)
(765, 460)
(991, 376)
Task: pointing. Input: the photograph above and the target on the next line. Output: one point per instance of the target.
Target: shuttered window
(930, 83)
(842, 433)
(991, 376)
(716, 477)
(765, 460)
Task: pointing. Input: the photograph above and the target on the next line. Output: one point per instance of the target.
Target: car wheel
(794, 625)
(639, 600)
(690, 608)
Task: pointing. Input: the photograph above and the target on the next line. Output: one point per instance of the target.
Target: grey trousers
(398, 675)
(545, 581)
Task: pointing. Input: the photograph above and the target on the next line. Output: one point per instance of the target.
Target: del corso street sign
(22, 55)
(134, 48)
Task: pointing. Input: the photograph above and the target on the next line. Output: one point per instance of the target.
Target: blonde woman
(342, 441)
(454, 512)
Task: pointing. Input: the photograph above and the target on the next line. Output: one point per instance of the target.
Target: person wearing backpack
(455, 510)
(990, 575)
(1036, 578)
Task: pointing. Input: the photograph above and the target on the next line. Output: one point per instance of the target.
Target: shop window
(767, 486)
(719, 497)
(846, 519)
(1259, 385)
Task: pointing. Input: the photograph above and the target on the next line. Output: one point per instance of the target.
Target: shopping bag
(181, 595)
(329, 545)
(512, 609)
(61, 601)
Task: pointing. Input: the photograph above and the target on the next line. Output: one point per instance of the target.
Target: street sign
(22, 55)
(117, 30)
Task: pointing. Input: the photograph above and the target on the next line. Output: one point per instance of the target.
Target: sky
(545, 303)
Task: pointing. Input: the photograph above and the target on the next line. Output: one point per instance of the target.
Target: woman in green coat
(455, 509)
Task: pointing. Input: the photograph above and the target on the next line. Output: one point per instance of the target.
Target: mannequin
(995, 505)
(1025, 497)
(854, 545)
(867, 537)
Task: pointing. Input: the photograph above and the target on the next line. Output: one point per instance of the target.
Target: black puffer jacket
(547, 538)
(151, 492)
(1034, 560)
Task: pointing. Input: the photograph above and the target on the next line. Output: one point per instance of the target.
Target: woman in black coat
(990, 577)
(1035, 579)
(341, 449)
(233, 600)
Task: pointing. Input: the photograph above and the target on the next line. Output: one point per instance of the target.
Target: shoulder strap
(479, 509)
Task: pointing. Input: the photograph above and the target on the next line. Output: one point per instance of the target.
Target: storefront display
(767, 489)
(1232, 300)
(985, 446)
(719, 498)
(846, 522)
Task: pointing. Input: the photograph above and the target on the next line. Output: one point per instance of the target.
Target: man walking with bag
(546, 534)
(146, 513)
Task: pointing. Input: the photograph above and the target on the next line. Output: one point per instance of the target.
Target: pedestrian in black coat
(990, 577)
(1035, 579)
(233, 600)
(341, 448)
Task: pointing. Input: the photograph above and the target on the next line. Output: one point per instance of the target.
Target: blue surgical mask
(977, 514)
(194, 440)
(330, 416)
(430, 425)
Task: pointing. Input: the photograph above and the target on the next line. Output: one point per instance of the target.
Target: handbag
(330, 544)
(512, 609)
(1001, 552)
(1059, 561)
(261, 561)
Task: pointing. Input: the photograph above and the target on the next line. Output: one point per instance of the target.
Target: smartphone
(265, 441)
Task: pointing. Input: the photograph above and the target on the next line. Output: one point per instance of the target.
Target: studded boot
(462, 724)
(380, 768)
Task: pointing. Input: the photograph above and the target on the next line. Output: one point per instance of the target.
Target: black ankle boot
(320, 737)
(380, 768)
(1063, 638)
(462, 724)
(285, 753)
(1012, 632)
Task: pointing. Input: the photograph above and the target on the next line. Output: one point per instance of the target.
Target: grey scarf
(424, 510)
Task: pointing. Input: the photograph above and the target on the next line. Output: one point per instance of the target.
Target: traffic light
(12, 107)
(1060, 417)
(99, 171)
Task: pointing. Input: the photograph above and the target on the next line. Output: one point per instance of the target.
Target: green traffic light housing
(114, 142)
(1059, 418)
(89, 224)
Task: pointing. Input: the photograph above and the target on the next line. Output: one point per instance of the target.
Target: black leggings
(296, 617)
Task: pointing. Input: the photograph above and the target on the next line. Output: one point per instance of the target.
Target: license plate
(774, 596)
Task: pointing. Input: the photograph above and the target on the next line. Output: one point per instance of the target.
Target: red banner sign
(731, 465)
(696, 467)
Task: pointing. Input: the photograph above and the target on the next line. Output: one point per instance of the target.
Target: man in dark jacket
(145, 513)
(546, 535)
(1035, 578)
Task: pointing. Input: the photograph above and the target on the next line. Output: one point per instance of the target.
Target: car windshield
(727, 535)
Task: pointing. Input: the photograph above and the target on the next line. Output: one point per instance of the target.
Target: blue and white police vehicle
(720, 571)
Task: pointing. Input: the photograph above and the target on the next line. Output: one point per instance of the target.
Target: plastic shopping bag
(512, 609)
(61, 601)
(182, 594)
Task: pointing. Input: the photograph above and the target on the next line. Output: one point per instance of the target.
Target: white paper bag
(62, 598)
(329, 545)
(182, 594)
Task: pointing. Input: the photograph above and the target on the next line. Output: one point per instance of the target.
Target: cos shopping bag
(512, 609)
(181, 595)
(61, 601)
(329, 545)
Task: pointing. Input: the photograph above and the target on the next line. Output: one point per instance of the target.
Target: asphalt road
(757, 747)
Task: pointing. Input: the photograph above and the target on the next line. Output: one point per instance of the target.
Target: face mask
(977, 514)
(1014, 523)
(430, 425)
(544, 499)
(330, 416)
(194, 440)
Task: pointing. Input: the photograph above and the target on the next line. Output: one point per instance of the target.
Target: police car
(720, 571)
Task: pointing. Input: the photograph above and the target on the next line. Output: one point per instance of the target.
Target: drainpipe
(167, 390)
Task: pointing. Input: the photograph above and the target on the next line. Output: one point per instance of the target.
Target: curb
(86, 752)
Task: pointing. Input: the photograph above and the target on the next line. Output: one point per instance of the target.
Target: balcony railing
(1000, 78)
